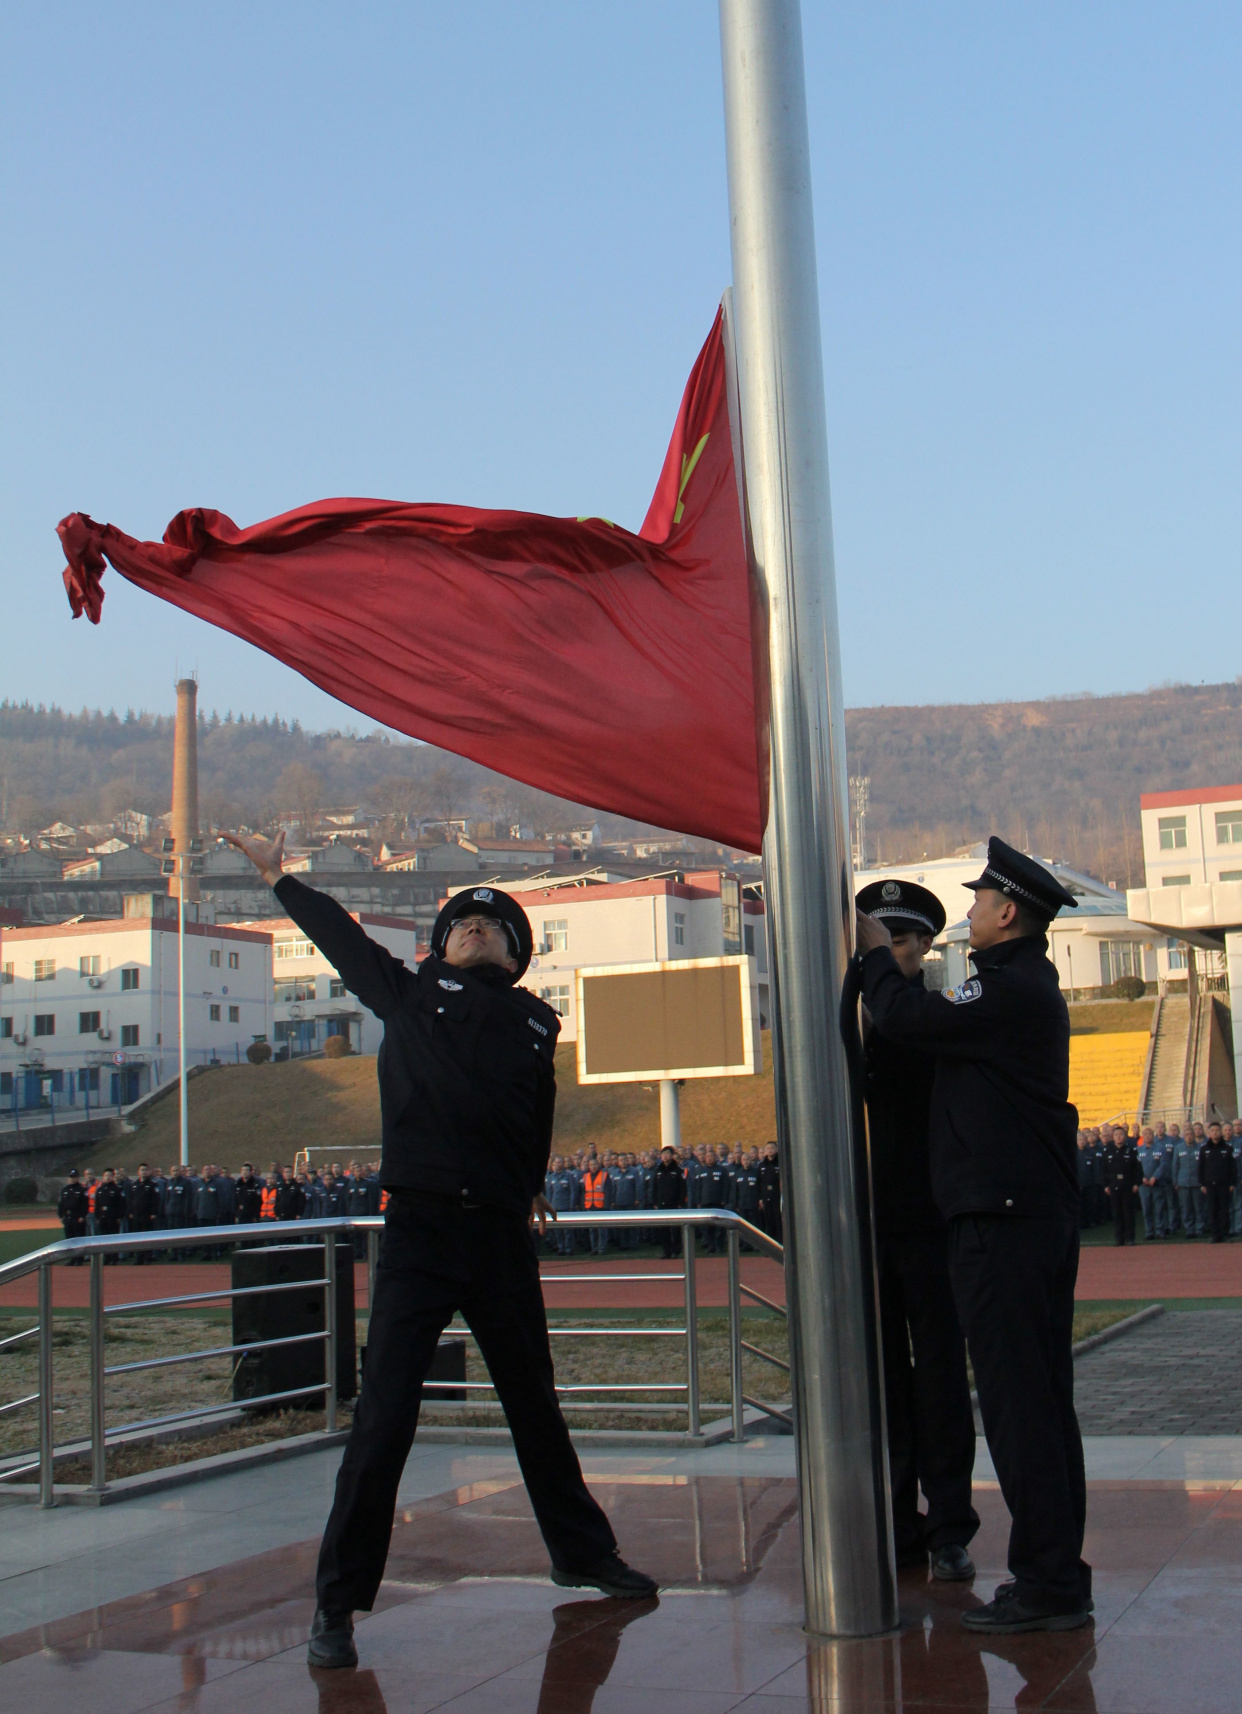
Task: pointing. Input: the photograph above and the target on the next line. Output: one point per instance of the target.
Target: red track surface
(1167, 1270)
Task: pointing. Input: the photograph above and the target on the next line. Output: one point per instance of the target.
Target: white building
(310, 1001)
(88, 1010)
(590, 921)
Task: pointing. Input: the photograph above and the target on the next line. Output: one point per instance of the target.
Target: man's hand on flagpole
(869, 934)
(267, 855)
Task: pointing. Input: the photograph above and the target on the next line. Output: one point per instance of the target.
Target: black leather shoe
(332, 1640)
(612, 1575)
(952, 1564)
(1004, 1592)
(1005, 1614)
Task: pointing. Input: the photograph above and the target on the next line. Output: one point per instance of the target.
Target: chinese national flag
(622, 671)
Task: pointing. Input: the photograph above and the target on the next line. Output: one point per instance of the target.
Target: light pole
(848, 1573)
(179, 864)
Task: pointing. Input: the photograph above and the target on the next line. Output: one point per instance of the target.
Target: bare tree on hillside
(300, 789)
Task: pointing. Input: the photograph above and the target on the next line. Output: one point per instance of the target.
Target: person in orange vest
(597, 1195)
(92, 1185)
(267, 1198)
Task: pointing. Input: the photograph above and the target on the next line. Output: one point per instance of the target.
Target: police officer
(71, 1209)
(1003, 1176)
(668, 1193)
(1186, 1181)
(770, 1193)
(249, 1194)
(1123, 1177)
(467, 1098)
(143, 1203)
(931, 1423)
(1218, 1174)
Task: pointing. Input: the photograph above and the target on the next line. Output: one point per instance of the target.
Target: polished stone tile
(105, 1681)
(1168, 1674)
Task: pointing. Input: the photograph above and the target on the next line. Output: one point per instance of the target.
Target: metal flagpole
(847, 1556)
(182, 860)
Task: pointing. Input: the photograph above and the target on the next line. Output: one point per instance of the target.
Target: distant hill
(1061, 776)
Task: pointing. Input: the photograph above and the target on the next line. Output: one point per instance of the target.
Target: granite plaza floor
(198, 1600)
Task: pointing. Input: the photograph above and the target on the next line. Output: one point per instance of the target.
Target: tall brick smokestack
(185, 779)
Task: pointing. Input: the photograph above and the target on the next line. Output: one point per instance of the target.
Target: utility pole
(847, 1554)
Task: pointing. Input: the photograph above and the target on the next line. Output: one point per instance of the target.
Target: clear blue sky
(256, 255)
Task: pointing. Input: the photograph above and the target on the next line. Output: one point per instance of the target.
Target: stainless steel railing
(260, 1234)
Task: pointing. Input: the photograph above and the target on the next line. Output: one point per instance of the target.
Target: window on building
(288, 949)
(290, 991)
(336, 988)
(88, 1080)
(234, 960)
(556, 934)
(1172, 829)
(1176, 950)
(235, 1014)
(45, 969)
(6, 972)
(1120, 958)
(748, 935)
(129, 1035)
(129, 979)
(679, 928)
(1229, 826)
(558, 998)
(6, 1083)
(1175, 880)
(214, 958)
(730, 915)
(1231, 874)
(88, 964)
(6, 1029)
(213, 1014)
(45, 1023)
(88, 1023)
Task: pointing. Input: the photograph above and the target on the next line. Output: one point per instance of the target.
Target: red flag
(608, 668)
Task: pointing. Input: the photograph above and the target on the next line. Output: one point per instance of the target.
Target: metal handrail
(96, 1249)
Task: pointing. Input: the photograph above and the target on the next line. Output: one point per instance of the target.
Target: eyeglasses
(488, 922)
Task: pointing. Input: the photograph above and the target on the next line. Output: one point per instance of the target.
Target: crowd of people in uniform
(1188, 1182)
(735, 1177)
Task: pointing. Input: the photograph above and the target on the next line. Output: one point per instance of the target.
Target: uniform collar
(1005, 951)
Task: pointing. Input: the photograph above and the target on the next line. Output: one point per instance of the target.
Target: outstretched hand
(267, 855)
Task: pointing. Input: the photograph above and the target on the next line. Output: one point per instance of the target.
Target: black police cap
(1022, 879)
(895, 903)
(487, 902)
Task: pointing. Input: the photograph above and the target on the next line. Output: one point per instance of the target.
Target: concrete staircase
(1166, 1078)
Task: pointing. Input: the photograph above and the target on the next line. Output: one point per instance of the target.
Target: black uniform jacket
(1122, 1168)
(466, 1068)
(1002, 1131)
(74, 1201)
(1217, 1166)
(898, 1082)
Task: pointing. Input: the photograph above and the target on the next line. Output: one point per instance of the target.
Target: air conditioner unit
(105, 1034)
(19, 1036)
(94, 982)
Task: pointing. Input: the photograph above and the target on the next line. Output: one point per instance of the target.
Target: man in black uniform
(1004, 1177)
(71, 1209)
(1218, 1173)
(770, 1193)
(931, 1423)
(109, 1207)
(669, 1192)
(1122, 1177)
(467, 1093)
(144, 1206)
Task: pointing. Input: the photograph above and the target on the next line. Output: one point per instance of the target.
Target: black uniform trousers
(1123, 1199)
(1218, 1196)
(438, 1257)
(1013, 1283)
(931, 1424)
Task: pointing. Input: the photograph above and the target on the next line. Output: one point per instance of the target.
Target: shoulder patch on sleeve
(964, 993)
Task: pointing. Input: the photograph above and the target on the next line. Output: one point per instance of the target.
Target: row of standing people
(1187, 1183)
(738, 1178)
(184, 1198)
